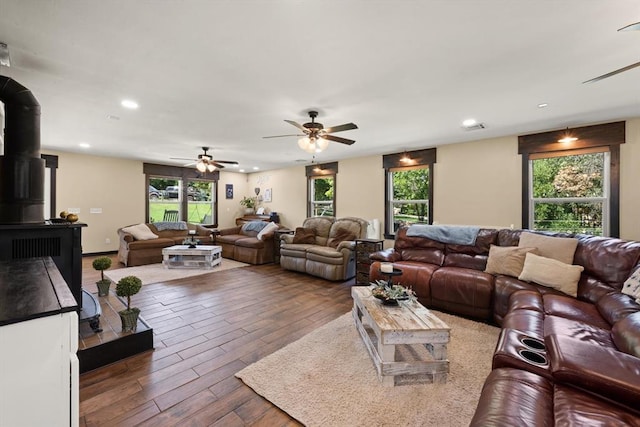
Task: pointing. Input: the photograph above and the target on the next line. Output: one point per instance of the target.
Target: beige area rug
(327, 379)
(154, 273)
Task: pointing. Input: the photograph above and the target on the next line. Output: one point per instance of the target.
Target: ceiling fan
(315, 137)
(205, 162)
(631, 27)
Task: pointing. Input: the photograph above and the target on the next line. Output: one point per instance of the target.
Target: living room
(477, 175)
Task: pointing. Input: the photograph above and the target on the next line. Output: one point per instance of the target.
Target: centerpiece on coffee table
(390, 293)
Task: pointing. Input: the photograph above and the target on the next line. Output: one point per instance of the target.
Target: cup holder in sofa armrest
(533, 357)
(533, 343)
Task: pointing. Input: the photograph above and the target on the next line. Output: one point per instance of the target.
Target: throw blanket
(254, 226)
(167, 225)
(452, 234)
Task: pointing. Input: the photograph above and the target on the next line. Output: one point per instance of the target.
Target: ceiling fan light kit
(316, 137)
(205, 162)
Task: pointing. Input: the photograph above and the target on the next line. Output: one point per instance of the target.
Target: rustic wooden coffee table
(182, 256)
(382, 328)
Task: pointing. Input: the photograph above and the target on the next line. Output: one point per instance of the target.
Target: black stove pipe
(21, 168)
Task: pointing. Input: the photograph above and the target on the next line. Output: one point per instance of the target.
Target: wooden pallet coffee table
(382, 328)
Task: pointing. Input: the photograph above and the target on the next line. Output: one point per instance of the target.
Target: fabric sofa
(560, 359)
(326, 249)
(140, 246)
(251, 242)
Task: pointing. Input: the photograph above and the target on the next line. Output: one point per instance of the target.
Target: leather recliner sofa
(241, 243)
(559, 360)
(326, 255)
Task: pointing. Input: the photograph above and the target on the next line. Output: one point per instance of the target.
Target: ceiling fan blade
(230, 162)
(280, 136)
(613, 73)
(218, 165)
(631, 27)
(340, 128)
(181, 158)
(298, 125)
(338, 139)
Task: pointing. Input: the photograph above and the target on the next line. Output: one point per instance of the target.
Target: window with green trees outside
(409, 196)
(321, 196)
(570, 193)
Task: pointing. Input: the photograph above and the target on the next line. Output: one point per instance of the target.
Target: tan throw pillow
(551, 273)
(304, 235)
(560, 248)
(341, 236)
(507, 260)
(140, 232)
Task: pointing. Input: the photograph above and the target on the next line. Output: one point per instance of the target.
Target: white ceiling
(226, 73)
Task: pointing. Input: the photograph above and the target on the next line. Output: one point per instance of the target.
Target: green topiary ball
(128, 285)
(102, 263)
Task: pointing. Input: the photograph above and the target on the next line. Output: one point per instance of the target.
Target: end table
(364, 248)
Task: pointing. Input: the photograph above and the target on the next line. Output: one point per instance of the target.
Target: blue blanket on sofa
(452, 234)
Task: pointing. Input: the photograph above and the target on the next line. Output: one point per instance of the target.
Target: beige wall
(116, 186)
(476, 183)
(630, 182)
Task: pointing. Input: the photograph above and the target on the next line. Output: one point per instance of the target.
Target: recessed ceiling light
(241, 170)
(236, 166)
(543, 105)
(255, 168)
(469, 122)
(84, 145)
(112, 117)
(130, 104)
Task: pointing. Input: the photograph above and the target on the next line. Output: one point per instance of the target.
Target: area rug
(326, 378)
(154, 273)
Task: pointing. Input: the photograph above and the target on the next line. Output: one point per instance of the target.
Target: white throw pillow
(140, 232)
(631, 286)
(267, 229)
(551, 273)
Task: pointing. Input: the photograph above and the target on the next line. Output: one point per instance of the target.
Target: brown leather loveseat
(560, 359)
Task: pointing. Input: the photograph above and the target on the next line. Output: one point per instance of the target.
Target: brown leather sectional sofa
(559, 360)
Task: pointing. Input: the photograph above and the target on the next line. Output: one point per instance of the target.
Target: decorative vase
(103, 287)
(248, 211)
(129, 319)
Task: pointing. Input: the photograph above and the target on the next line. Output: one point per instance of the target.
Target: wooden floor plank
(208, 328)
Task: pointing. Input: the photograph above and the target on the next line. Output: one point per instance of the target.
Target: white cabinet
(39, 372)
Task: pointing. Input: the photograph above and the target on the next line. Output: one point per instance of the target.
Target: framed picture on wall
(267, 195)
(228, 188)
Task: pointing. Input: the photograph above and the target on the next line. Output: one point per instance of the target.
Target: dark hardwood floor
(207, 328)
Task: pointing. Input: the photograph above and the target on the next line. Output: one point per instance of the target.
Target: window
(200, 202)
(572, 186)
(570, 193)
(321, 193)
(408, 189)
(184, 194)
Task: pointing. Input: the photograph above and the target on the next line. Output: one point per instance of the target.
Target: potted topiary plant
(249, 203)
(102, 263)
(126, 287)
